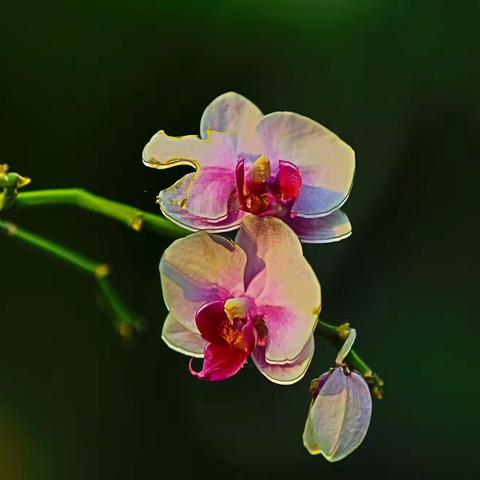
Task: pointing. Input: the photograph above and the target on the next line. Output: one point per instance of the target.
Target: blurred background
(83, 87)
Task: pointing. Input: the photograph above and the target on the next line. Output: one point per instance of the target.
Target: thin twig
(336, 335)
(124, 319)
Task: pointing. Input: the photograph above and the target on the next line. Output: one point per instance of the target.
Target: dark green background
(84, 85)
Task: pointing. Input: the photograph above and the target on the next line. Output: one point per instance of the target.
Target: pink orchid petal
(289, 292)
(209, 193)
(249, 336)
(211, 320)
(236, 115)
(223, 361)
(164, 151)
(255, 267)
(323, 159)
(240, 183)
(332, 228)
(220, 363)
(289, 181)
(339, 416)
(173, 203)
(317, 202)
(290, 372)
(182, 340)
(198, 269)
(287, 328)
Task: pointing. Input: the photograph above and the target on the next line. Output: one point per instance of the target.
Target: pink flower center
(262, 331)
(223, 324)
(262, 193)
(231, 333)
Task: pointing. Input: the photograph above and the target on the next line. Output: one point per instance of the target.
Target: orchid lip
(231, 333)
(222, 322)
(230, 336)
(263, 192)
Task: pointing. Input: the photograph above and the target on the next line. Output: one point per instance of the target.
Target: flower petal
(332, 228)
(283, 284)
(288, 373)
(198, 269)
(210, 192)
(211, 320)
(323, 159)
(220, 363)
(288, 327)
(313, 202)
(236, 115)
(339, 416)
(174, 205)
(164, 151)
(289, 181)
(182, 340)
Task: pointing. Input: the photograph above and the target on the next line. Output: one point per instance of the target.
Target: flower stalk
(337, 335)
(132, 217)
(125, 321)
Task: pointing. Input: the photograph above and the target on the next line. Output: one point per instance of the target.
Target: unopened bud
(340, 412)
(339, 415)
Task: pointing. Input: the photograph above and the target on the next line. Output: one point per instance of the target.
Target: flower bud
(339, 415)
(340, 412)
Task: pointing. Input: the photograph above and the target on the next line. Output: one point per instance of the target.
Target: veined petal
(323, 159)
(287, 327)
(236, 115)
(163, 151)
(182, 340)
(212, 321)
(313, 202)
(289, 181)
(174, 205)
(289, 294)
(210, 192)
(332, 228)
(339, 416)
(288, 373)
(198, 269)
(220, 363)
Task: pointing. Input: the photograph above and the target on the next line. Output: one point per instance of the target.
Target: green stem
(336, 335)
(130, 216)
(125, 320)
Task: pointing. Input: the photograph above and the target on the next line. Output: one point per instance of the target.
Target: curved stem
(125, 320)
(132, 217)
(336, 335)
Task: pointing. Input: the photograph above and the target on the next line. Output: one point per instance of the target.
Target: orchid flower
(281, 164)
(256, 297)
(340, 412)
